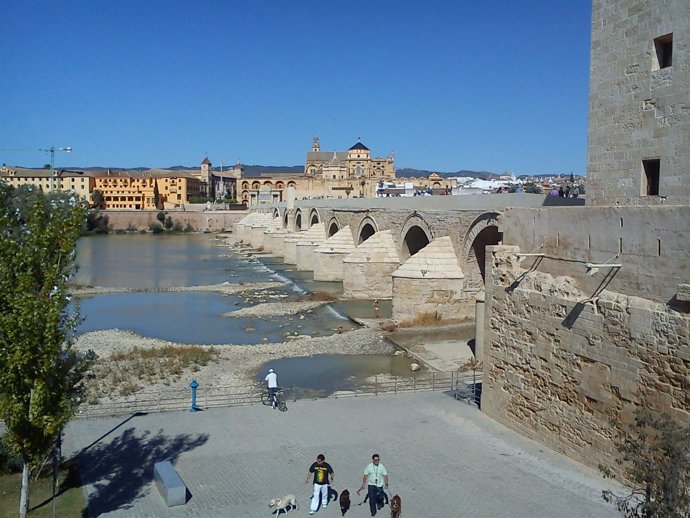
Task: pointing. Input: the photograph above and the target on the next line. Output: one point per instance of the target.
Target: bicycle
(280, 403)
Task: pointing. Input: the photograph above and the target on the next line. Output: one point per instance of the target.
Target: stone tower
(207, 176)
(639, 121)
(206, 170)
(315, 145)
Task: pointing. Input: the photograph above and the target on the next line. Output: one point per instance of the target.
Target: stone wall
(564, 350)
(638, 109)
(445, 297)
(211, 221)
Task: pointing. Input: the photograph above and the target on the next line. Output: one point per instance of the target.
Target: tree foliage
(97, 222)
(98, 199)
(654, 458)
(41, 375)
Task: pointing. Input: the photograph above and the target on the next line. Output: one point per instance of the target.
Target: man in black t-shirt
(323, 475)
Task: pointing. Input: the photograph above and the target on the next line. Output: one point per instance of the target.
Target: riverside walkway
(443, 456)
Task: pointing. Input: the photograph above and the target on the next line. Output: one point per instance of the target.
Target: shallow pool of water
(323, 374)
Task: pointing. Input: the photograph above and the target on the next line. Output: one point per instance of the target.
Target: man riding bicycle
(272, 383)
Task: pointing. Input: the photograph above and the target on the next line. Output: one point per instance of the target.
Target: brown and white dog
(344, 501)
(281, 504)
(396, 507)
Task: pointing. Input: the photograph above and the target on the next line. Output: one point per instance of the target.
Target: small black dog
(344, 501)
(332, 494)
(381, 499)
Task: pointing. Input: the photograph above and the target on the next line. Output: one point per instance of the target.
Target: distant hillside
(404, 172)
(253, 170)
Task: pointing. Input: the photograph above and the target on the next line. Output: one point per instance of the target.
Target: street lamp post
(67, 149)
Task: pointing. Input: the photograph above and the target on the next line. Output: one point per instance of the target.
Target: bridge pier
(367, 272)
(329, 256)
(430, 285)
(309, 241)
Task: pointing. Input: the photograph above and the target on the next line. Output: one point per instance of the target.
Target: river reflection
(161, 262)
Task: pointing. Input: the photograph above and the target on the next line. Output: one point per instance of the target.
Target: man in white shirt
(272, 382)
(375, 477)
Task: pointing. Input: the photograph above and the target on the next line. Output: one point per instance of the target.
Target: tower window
(650, 178)
(663, 46)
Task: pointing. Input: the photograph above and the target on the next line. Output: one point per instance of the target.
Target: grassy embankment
(70, 501)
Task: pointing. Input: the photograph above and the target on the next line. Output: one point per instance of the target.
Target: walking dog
(344, 501)
(281, 504)
(396, 507)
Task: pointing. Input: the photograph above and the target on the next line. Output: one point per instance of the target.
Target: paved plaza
(445, 459)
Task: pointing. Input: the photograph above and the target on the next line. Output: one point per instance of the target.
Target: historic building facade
(355, 163)
(327, 174)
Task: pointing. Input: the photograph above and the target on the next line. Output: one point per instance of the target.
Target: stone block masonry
(199, 221)
(639, 103)
(558, 364)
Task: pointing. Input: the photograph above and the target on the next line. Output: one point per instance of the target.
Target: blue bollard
(194, 386)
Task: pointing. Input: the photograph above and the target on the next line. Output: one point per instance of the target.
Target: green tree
(155, 227)
(532, 188)
(156, 195)
(41, 375)
(97, 222)
(97, 199)
(654, 459)
(161, 217)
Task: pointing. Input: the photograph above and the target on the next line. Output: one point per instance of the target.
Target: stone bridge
(425, 253)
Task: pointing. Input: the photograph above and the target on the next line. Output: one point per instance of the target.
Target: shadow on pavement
(119, 471)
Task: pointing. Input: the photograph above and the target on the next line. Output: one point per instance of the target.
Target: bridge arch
(333, 227)
(482, 232)
(314, 217)
(367, 228)
(415, 235)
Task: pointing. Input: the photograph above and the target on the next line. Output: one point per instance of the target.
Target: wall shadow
(120, 471)
(555, 201)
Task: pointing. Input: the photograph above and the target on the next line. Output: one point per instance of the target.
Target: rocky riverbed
(235, 365)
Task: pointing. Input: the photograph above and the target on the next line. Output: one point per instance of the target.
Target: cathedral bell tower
(315, 145)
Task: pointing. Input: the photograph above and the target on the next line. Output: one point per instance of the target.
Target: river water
(160, 262)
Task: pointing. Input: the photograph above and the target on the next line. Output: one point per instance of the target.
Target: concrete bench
(169, 484)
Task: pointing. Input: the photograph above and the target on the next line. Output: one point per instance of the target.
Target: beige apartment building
(137, 191)
(78, 182)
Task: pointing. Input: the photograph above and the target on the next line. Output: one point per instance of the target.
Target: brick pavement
(444, 458)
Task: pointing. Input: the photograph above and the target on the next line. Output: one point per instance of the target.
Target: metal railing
(462, 385)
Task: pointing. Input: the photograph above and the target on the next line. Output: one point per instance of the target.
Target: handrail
(462, 385)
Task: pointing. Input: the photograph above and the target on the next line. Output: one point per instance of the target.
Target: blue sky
(495, 85)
